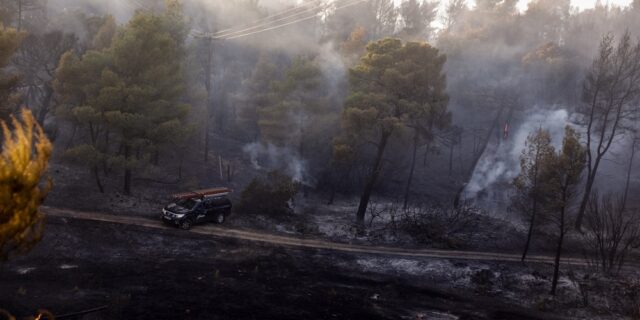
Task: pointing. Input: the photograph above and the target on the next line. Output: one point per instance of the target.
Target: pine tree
(10, 40)
(79, 83)
(561, 176)
(130, 92)
(394, 86)
(528, 197)
(293, 105)
(417, 17)
(257, 95)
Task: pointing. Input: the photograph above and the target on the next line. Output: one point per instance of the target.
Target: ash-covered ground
(172, 274)
(140, 273)
(147, 273)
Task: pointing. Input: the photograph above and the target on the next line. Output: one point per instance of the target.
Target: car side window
(219, 201)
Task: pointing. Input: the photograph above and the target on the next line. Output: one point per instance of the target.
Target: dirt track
(141, 272)
(310, 243)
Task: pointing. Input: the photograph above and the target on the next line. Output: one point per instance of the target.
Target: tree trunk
(96, 175)
(629, 169)
(451, 159)
(426, 154)
(105, 167)
(180, 165)
(534, 209)
(528, 242)
(585, 200)
(208, 87)
(556, 266)
(19, 15)
(476, 159)
(44, 106)
(72, 137)
(371, 181)
(127, 171)
(332, 195)
(407, 188)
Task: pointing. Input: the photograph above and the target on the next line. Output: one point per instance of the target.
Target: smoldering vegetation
(461, 118)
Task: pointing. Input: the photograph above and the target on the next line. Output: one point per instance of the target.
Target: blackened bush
(611, 232)
(450, 226)
(270, 195)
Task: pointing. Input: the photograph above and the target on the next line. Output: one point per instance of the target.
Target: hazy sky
(583, 4)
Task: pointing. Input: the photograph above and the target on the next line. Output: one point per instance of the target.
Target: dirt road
(140, 269)
(290, 241)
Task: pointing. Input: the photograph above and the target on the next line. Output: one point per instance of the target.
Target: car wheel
(220, 218)
(185, 225)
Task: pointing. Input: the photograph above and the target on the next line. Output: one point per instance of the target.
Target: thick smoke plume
(500, 164)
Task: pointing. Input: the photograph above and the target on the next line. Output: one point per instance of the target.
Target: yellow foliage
(23, 162)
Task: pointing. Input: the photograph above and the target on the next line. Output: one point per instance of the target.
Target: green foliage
(562, 171)
(23, 162)
(538, 151)
(260, 95)
(293, 103)
(130, 86)
(417, 17)
(105, 34)
(395, 87)
(10, 40)
(270, 195)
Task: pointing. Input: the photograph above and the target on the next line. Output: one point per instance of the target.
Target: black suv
(197, 207)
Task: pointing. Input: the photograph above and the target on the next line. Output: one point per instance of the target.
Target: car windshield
(187, 203)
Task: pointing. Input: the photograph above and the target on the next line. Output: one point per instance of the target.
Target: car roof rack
(201, 194)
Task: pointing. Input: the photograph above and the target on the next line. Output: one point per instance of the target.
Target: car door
(201, 212)
(209, 210)
(220, 205)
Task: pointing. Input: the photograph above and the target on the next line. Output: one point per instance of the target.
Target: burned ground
(149, 274)
(146, 273)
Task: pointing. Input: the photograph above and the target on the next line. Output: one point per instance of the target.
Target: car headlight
(178, 216)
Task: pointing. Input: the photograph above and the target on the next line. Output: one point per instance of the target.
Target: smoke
(499, 165)
(271, 157)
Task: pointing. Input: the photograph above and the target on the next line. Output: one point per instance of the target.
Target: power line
(271, 16)
(349, 4)
(306, 11)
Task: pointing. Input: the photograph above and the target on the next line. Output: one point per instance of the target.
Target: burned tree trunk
(556, 265)
(96, 175)
(629, 169)
(610, 87)
(127, 170)
(371, 181)
(407, 189)
(477, 156)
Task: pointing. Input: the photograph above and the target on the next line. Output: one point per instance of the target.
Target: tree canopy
(130, 88)
(394, 86)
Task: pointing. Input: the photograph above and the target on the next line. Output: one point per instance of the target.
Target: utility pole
(19, 15)
(208, 82)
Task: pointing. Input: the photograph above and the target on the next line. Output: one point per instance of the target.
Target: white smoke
(500, 163)
(271, 157)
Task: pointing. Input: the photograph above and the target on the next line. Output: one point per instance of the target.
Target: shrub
(23, 162)
(443, 225)
(270, 195)
(611, 232)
